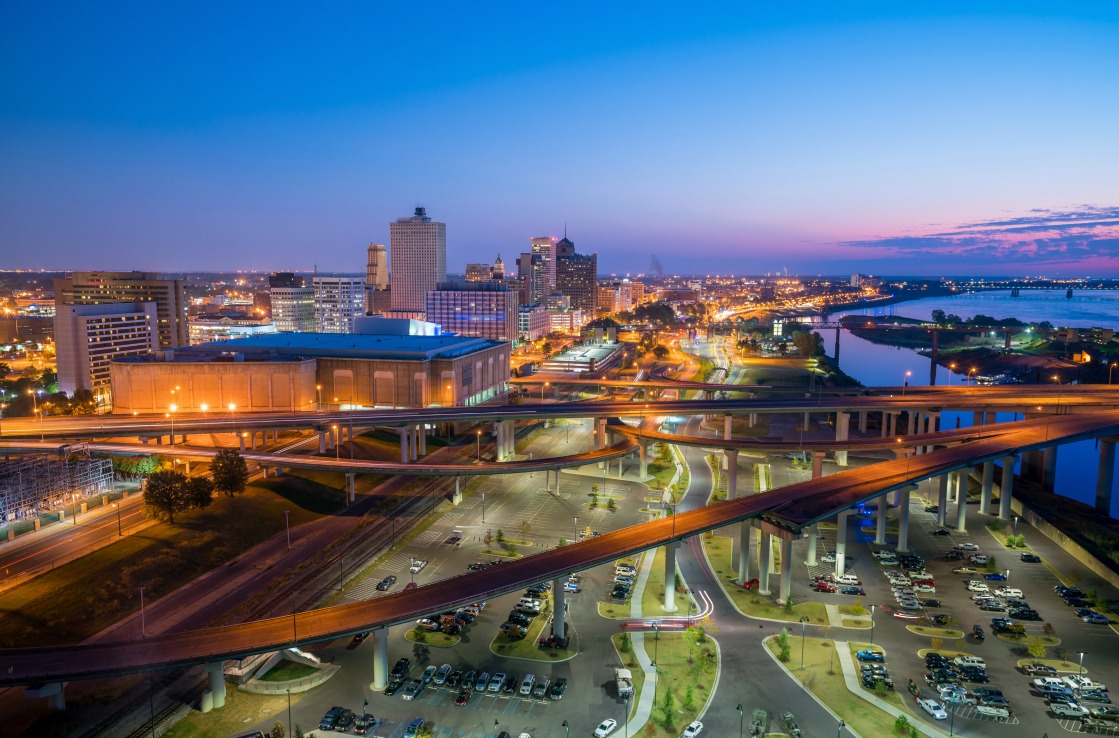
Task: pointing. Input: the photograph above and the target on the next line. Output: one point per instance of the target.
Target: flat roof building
(90, 337)
(418, 251)
(479, 309)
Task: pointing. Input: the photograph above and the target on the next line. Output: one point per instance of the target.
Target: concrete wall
(253, 386)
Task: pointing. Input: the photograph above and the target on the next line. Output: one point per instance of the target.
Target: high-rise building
(533, 322)
(418, 249)
(376, 278)
(477, 309)
(88, 337)
(546, 247)
(338, 301)
(577, 276)
(479, 272)
(498, 268)
(293, 304)
(532, 273)
(99, 288)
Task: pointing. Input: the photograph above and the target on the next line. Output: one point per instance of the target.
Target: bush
(901, 725)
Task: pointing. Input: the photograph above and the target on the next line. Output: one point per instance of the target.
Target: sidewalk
(851, 679)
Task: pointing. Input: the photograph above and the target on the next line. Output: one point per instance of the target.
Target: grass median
(685, 672)
(83, 597)
(719, 549)
(241, 709)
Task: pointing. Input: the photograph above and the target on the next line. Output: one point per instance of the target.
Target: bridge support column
(511, 437)
(415, 445)
(842, 425)
(978, 419)
(880, 528)
(1006, 491)
(241, 440)
(941, 499)
(910, 422)
(753, 420)
(988, 484)
(1105, 477)
(643, 458)
(456, 499)
(841, 542)
(804, 425)
(380, 658)
(728, 421)
(559, 628)
(863, 416)
(422, 431)
(817, 464)
(954, 485)
(961, 503)
(217, 682)
(813, 536)
(499, 439)
(745, 542)
(903, 520)
(670, 577)
(765, 561)
(351, 494)
(402, 431)
(786, 570)
(732, 473)
(1049, 469)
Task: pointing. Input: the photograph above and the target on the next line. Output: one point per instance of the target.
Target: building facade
(546, 247)
(376, 279)
(418, 249)
(533, 277)
(99, 288)
(89, 337)
(478, 309)
(479, 273)
(533, 322)
(338, 301)
(293, 304)
(577, 276)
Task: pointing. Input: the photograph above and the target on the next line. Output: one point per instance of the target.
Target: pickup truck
(996, 711)
(1068, 709)
(1079, 681)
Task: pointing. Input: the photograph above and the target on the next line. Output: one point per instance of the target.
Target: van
(970, 661)
(1008, 592)
(850, 579)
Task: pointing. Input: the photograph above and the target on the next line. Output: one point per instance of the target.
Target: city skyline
(962, 140)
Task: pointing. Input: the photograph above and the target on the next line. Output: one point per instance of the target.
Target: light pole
(542, 391)
(350, 435)
(1015, 525)
(739, 708)
(576, 538)
(839, 732)
(483, 507)
(117, 506)
(969, 373)
(625, 717)
(1110, 369)
(478, 433)
(318, 397)
(952, 368)
(1007, 575)
(803, 622)
(412, 578)
(566, 730)
(1081, 654)
(495, 728)
(335, 429)
(905, 382)
(287, 527)
(143, 623)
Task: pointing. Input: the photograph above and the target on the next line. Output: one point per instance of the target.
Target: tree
(278, 730)
(1036, 648)
(660, 352)
(5, 370)
(939, 317)
(199, 492)
(524, 529)
(83, 403)
(546, 349)
(668, 706)
(807, 343)
(229, 472)
(165, 495)
(421, 653)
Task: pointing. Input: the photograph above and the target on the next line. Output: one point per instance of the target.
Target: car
(571, 587)
(477, 566)
(605, 728)
(364, 725)
(941, 619)
(935, 657)
(978, 558)
(1106, 712)
(528, 609)
(1077, 602)
(330, 719)
(1094, 695)
(884, 553)
(932, 508)
(413, 690)
(965, 570)
(967, 546)
(483, 682)
(410, 585)
(857, 591)
(359, 638)
(992, 606)
(924, 589)
(977, 586)
(519, 618)
(559, 686)
(871, 681)
(1039, 670)
(940, 532)
(463, 697)
(345, 721)
(933, 708)
(417, 566)
(1056, 692)
(1063, 591)
(386, 584)
(526, 684)
(1025, 613)
(510, 685)
(441, 675)
(1068, 709)
(1096, 619)
(391, 688)
(849, 579)
(428, 675)
(625, 570)
(996, 577)
(514, 631)
(455, 679)
(1030, 558)
(693, 730)
(975, 675)
(468, 679)
(868, 655)
(954, 555)
(414, 727)
(496, 681)
(930, 603)
(540, 689)
(823, 587)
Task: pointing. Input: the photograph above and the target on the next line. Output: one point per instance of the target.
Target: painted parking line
(1079, 726)
(970, 712)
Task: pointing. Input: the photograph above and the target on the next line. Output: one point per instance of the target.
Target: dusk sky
(750, 138)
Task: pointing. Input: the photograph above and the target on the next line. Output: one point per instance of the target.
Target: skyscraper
(99, 288)
(477, 309)
(338, 300)
(577, 276)
(418, 249)
(376, 277)
(533, 276)
(498, 268)
(293, 304)
(546, 247)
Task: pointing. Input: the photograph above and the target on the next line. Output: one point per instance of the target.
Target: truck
(791, 726)
(759, 720)
(623, 678)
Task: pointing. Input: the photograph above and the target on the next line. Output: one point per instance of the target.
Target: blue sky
(820, 138)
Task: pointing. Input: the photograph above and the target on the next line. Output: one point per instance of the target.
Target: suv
(386, 584)
(330, 719)
(526, 684)
(540, 689)
(1068, 709)
(559, 686)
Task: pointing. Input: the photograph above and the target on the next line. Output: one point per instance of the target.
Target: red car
(463, 698)
(411, 585)
(824, 587)
(824, 578)
(752, 584)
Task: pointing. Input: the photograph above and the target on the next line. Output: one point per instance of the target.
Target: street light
(739, 708)
(172, 407)
(335, 429)
(1007, 575)
(287, 527)
(566, 729)
(969, 373)
(842, 725)
(1110, 369)
(952, 367)
(412, 578)
(117, 506)
(495, 728)
(1015, 525)
(479, 434)
(1081, 654)
(905, 382)
(318, 396)
(803, 622)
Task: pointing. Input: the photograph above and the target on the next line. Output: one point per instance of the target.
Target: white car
(605, 728)
(977, 586)
(693, 730)
(884, 554)
(924, 588)
(933, 708)
(417, 566)
(967, 547)
(978, 558)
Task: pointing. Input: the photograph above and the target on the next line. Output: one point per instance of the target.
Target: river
(878, 365)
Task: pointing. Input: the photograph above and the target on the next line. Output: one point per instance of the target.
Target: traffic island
(528, 648)
(945, 633)
(433, 639)
(686, 673)
(1058, 664)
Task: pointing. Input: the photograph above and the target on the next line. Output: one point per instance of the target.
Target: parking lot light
(1081, 655)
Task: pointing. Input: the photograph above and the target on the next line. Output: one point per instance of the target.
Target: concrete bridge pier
(421, 431)
(842, 428)
(241, 441)
(745, 542)
(351, 494)
(499, 440)
(1049, 468)
(643, 458)
(817, 464)
(961, 503)
(941, 499)
(1006, 492)
(841, 542)
(988, 484)
(380, 658)
(670, 577)
(903, 519)
(558, 613)
(978, 419)
(732, 472)
(813, 533)
(55, 692)
(322, 441)
(752, 419)
(910, 422)
(456, 498)
(217, 682)
(765, 561)
(864, 415)
(932, 426)
(728, 420)
(402, 431)
(786, 570)
(1105, 477)
(880, 529)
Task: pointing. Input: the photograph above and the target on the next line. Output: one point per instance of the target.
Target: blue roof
(353, 345)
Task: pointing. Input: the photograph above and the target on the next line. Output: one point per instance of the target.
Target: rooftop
(352, 345)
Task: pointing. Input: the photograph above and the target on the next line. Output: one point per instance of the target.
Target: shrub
(901, 725)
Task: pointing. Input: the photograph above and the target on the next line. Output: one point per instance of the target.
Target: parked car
(995, 577)
(1039, 670)
(441, 675)
(954, 555)
(414, 727)
(413, 690)
(330, 719)
(605, 728)
(965, 570)
(693, 730)
(559, 686)
(1096, 619)
(967, 546)
(386, 584)
(868, 655)
(933, 708)
(930, 603)
(417, 566)
(1030, 558)
(496, 681)
(463, 697)
(857, 591)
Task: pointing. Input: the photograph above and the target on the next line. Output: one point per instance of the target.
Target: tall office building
(418, 249)
(476, 309)
(99, 288)
(293, 304)
(338, 301)
(376, 279)
(533, 276)
(498, 268)
(546, 247)
(90, 336)
(577, 276)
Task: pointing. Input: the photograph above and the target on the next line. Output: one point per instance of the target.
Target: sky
(962, 139)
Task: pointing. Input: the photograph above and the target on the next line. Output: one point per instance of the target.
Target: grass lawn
(286, 670)
(1057, 664)
(719, 552)
(241, 709)
(1049, 641)
(527, 648)
(823, 677)
(935, 632)
(81, 598)
(947, 653)
(686, 673)
(435, 640)
(661, 474)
